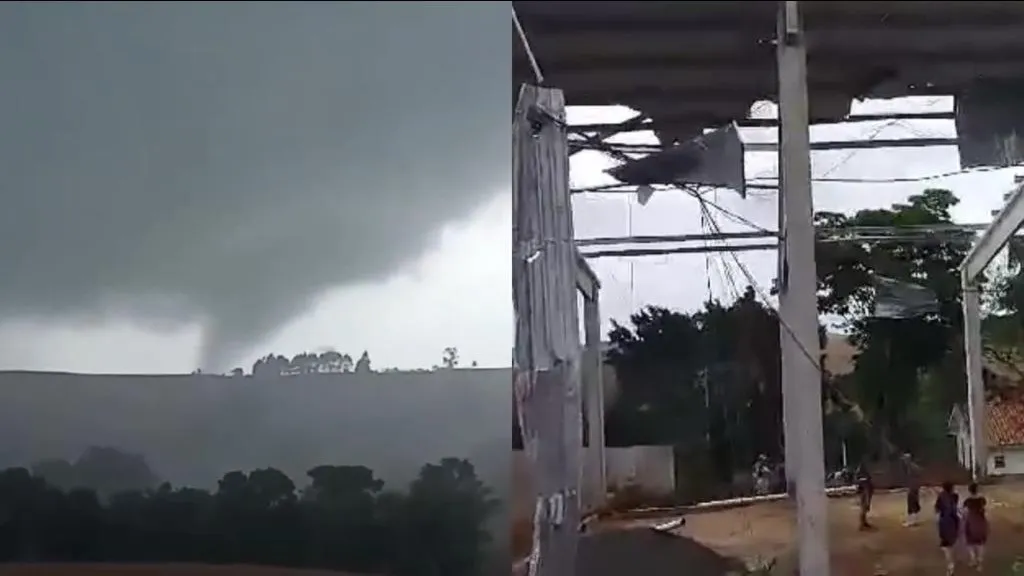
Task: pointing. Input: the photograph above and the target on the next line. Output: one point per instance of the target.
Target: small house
(1004, 435)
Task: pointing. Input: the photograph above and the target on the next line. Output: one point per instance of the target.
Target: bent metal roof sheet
(695, 64)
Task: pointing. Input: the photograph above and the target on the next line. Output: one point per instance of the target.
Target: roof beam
(612, 241)
(586, 278)
(666, 15)
(992, 240)
(597, 75)
(645, 97)
(575, 145)
(638, 252)
(690, 120)
(556, 47)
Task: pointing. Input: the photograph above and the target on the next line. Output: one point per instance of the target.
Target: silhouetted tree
(450, 357)
(363, 364)
(103, 470)
(331, 361)
(271, 365)
(344, 520)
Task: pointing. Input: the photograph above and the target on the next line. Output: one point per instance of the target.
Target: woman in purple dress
(975, 526)
(947, 510)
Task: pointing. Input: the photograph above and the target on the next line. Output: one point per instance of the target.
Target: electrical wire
(696, 193)
(720, 268)
(707, 255)
(725, 274)
(537, 74)
(870, 137)
(837, 394)
(620, 188)
(904, 180)
(759, 290)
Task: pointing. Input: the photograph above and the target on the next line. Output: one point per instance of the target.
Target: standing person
(912, 479)
(975, 526)
(947, 510)
(761, 475)
(865, 491)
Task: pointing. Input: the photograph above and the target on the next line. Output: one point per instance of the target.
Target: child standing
(865, 492)
(975, 526)
(913, 483)
(947, 510)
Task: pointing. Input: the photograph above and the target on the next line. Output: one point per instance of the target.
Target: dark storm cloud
(229, 162)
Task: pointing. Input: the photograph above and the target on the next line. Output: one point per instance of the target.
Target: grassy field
(766, 531)
(154, 570)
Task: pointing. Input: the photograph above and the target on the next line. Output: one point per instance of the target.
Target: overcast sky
(681, 281)
(196, 184)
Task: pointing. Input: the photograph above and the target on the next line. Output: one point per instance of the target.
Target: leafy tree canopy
(345, 520)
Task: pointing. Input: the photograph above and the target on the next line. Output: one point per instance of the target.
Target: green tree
(657, 365)
(894, 353)
(102, 469)
(450, 487)
(344, 520)
(707, 383)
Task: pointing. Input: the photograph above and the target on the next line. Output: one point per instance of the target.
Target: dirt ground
(153, 570)
(763, 532)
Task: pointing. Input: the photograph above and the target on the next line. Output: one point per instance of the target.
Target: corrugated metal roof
(690, 65)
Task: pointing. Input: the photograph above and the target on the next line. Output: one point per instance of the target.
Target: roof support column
(975, 377)
(798, 306)
(992, 240)
(547, 351)
(594, 393)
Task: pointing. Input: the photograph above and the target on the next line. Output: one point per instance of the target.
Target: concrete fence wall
(650, 467)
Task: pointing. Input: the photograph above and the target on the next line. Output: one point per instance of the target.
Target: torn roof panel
(710, 61)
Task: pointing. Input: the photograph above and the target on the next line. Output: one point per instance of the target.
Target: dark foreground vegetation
(345, 519)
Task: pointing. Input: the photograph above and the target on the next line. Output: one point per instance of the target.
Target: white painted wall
(963, 447)
(649, 467)
(1013, 461)
(1012, 457)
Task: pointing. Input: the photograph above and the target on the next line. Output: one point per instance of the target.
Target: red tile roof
(1005, 422)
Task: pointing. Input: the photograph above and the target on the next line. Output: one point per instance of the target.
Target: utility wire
(759, 290)
(720, 268)
(620, 188)
(537, 74)
(816, 362)
(696, 193)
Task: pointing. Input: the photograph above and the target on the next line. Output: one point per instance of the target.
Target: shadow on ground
(623, 552)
